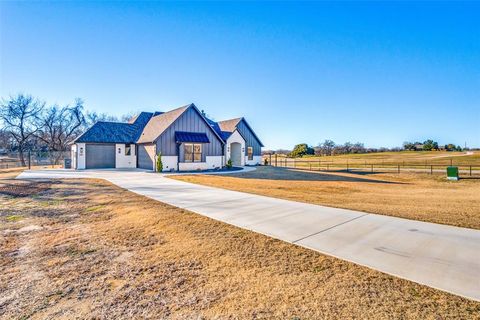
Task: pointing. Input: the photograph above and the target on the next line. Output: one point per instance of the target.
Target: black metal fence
(33, 158)
(469, 169)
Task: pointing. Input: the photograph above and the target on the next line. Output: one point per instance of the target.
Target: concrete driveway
(439, 256)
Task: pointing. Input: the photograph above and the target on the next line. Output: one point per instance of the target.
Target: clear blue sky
(379, 73)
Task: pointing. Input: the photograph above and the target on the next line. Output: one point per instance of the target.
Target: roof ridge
(239, 118)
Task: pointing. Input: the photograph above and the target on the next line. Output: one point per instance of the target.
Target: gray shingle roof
(116, 132)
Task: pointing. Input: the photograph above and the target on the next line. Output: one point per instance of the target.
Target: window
(193, 152)
(128, 150)
(250, 153)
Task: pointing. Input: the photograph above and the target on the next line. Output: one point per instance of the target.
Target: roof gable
(242, 120)
(159, 124)
(229, 125)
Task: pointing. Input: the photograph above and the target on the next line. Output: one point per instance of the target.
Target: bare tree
(92, 117)
(128, 116)
(20, 114)
(6, 141)
(328, 146)
(60, 126)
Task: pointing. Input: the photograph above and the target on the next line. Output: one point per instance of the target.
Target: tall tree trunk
(21, 155)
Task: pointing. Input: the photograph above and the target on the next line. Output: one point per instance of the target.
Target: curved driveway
(439, 256)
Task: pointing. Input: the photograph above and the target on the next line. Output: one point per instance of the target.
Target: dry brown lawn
(88, 249)
(416, 196)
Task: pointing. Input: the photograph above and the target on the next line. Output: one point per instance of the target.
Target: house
(185, 138)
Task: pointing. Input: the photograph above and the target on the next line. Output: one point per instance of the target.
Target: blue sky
(379, 73)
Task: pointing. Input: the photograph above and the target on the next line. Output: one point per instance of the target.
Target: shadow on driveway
(276, 173)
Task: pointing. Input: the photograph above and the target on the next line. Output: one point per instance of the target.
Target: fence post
(310, 165)
(431, 169)
(275, 159)
(347, 165)
(451, 162)
(372, 167)
(29, 159)
(398, 168)
(470, 170)
(270, 161)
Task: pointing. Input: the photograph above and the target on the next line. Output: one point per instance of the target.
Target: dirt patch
(134, 257)
(23, 189)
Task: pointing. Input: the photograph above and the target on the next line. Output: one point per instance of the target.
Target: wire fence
(469, 169)
(33, 158)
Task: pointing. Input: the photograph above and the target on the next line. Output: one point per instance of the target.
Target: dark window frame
(250, 154)
(192, 156)
(128, 149)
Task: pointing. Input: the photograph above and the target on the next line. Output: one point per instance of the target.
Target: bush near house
(159, 163)
(229, 164)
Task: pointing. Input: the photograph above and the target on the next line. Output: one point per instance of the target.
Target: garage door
(145, 155)
(100, 156)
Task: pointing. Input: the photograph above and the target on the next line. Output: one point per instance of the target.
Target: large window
(193, 152)
(250, 153)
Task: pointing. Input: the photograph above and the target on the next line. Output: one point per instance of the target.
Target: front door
(236, 154)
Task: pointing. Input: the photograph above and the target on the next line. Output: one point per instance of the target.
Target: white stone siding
(122, 160)
(256, 160)
(169, 163)
(81, 151)
(214, 162)
(192, 166)
(234, 137)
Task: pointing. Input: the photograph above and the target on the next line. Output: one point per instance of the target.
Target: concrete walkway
(439, 256)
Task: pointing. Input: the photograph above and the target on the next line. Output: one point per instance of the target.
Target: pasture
(404, 161)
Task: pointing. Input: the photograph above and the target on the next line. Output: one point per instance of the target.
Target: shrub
(159, 163)
(229, 164)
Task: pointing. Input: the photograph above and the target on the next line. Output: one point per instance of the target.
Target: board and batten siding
(189, 121)
(250, 139)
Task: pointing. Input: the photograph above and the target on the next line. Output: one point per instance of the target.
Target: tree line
(330, 148)
(27, 124)
(429, 145)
